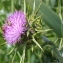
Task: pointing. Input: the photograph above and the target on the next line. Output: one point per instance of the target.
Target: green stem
(29, 61)
(13, 57)
(24, 7)
(12, 5)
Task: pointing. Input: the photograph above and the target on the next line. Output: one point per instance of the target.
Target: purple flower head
(14, 27)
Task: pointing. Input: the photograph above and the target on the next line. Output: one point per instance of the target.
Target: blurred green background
(45, 17)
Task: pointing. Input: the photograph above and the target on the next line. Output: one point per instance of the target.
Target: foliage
(43, 41)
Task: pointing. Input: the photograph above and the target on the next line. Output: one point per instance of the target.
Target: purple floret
(14, 27)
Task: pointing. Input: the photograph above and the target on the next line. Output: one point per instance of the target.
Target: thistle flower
(14, 27)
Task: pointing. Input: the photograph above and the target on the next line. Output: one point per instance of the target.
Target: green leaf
(51, 19)
(37, 44)
(54, 48)
(48, 16)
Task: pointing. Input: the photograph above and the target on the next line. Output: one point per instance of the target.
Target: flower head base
(14, 27)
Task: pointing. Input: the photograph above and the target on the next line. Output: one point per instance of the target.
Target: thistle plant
(32, 33)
